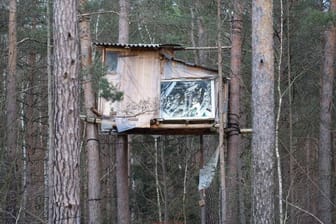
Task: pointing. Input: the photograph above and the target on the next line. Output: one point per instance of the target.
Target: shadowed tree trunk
(66, 163)
(92, 144)
(12, 121)
(201, 34)
(325, 153)
(221, 97)
(263, 138)
(50, 152)
(122, 180)
(234, 115)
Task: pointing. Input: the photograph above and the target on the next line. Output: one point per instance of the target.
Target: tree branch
(304, 211)
(99, 13)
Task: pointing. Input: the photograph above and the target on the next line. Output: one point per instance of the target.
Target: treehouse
(161, 94)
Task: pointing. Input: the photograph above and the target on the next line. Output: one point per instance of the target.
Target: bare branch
(303, 210)
(99, 13)
(26, 39)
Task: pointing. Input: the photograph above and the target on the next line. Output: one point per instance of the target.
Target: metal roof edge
(139, 45)
(169, 57)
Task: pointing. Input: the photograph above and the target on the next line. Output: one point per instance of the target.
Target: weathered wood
(171, 128)
(139, 74)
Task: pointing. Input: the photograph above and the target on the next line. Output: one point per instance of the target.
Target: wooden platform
(165, 127)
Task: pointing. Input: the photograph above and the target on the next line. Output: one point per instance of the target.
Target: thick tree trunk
(234, 116)
(12, 121)
(92, 145)
(263, 112)
(325, 153)
(66, 164)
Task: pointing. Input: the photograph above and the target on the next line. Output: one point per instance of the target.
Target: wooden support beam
(170, 127)
(246, 131)
(94, 120)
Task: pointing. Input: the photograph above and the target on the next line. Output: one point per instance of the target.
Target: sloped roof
(171, 58)
(139, 45)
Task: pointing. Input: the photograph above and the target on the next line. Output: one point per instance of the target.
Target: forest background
(302, 51)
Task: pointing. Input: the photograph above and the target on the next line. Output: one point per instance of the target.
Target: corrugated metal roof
(139, 45)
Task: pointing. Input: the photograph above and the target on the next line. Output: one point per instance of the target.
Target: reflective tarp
(187, 99)
(123, 124)
(106, 125)
(208, 171)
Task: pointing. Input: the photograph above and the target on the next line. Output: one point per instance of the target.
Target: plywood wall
(138, 75)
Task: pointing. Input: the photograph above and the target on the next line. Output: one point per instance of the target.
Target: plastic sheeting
(187, 99)
(207, 173)
(123, 124)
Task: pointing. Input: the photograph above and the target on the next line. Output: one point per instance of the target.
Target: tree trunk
(123, 21)
(263, 112)
(325, 154)
(165, 185)
(202, 34)
(221, 98)
(32, 157)
(122, 180)
(12, 121)
(92, 145)
(121, 140)
(50, 151)
(202, 192)
(234, 115)
(192, 32)
(66, 164)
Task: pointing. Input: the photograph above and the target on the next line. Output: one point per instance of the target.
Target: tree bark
(165, 185)
(123, 21)
(66, 163)
(202, 34)
(325, 154)
(12, 121)
(202, 192)
(263, 112)
(50, 152)
(221, 98)
(121, 140)
(234, 115)
(92, 144)
(122, 180)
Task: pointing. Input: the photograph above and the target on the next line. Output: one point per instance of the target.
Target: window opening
(111, 61)
(187, 99)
